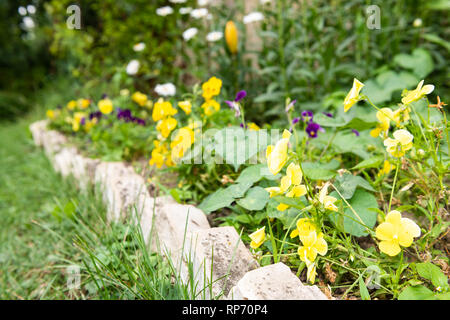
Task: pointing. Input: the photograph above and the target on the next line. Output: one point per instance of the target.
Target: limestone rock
(62, 161)
(53, 142)
(37, 130)
(274, 282)
(222, 250)
(122, 189)
(173, 222)
(83, 170)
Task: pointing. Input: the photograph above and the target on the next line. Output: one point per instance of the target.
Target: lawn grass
(48, 226)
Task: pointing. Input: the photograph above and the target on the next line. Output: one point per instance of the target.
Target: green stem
(393, 185)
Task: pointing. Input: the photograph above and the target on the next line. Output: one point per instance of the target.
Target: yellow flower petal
(390, 248)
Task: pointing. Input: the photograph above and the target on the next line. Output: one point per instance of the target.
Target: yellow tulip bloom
(258, 238)
(313, 244)
(353, 95)
(395, 232)
(105, 106)
(186, 106)
(417, 94)
(277, 155)
(140, 98)
(211, 88)
(327, 201)
(304, 227)
(401, 143)
(231, 37)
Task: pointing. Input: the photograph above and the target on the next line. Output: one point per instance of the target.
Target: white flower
(202, 3)
(199, 13)
(31, 9)
(139, 47)
(22, 11)
(164, 11)
(214, 36)
(417, 23)
(185, 10)
(253, 17)
(133, 67)
(177, 1)
(28, 23)
(190, 33)
(166, 89)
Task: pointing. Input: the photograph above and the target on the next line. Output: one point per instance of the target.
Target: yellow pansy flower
(417, 94)
(395, 232)
(253, 126)
(327, 201)
(282, 207)
(402, 114)
(186, 106)
(166, 126)
(277, 155)
(387, 167)
(105, 106)
(273, 191)
(210, 107)
(89, 124)
(401, 143)
(83, 103)
(311, 272)
(313, 244)
(162, 109)
(304, 227)
(72, 105)
(211, 88)
(384, 116)
(140, 98)
(182, 142)
(51, 114)
(293, 177)
(157, 159)
(77, 117)
(258, 238)
(353, 95)
(231, 37)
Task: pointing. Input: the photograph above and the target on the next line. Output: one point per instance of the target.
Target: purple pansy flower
(313, 128)
(307, 116)
(235, 103)
(296, 120)
(329, 115)
(83, 121)
(104, 96)
(96, 114)
(356, 132)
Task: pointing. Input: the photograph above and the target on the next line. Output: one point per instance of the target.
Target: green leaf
(416, 293)
(219, 199)
(238, 190)
(363, 204)
(251, 174)
(256, 199)
(347, 184)
(433, 273)
(320, 171)
(373, 162)
(420, 62)
(363, 290)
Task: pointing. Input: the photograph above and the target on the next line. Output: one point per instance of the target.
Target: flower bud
(231, 37)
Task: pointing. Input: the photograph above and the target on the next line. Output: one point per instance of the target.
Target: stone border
(182, 231)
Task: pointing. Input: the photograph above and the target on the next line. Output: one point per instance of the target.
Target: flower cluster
(211, 88)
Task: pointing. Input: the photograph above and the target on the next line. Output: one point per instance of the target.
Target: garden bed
(182, 231)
